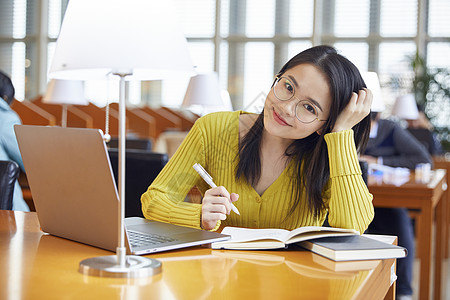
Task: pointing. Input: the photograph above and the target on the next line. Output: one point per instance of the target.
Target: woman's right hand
(356, 110)
(216, 205)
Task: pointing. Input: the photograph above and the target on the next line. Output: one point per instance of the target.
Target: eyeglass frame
(276, 81)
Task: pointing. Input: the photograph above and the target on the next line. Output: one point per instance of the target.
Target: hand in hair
(216, 206)
(356, 110)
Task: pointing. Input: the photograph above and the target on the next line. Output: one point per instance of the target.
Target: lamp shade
(228, 106)
(203, 90)
(373, 84)
(405, 107)
(136, 37)
(65, 92)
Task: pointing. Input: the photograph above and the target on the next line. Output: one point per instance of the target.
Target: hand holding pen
(217, 201)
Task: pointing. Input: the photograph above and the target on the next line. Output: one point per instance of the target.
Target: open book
(254, 239)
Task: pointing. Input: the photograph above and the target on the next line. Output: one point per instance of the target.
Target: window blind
(398, 18)
(352, 18)
(439, 18)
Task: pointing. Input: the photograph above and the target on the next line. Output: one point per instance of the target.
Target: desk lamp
(65, 92)
(203, 91)
(405, 107)
(134, 40)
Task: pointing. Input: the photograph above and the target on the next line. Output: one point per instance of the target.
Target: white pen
(208, 179)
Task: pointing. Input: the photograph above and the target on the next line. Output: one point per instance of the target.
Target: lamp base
(106, 266)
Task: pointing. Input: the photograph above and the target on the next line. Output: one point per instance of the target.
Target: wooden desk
(35, 265)
(429, 198)
(443, 162)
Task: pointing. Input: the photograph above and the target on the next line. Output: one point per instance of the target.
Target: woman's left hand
(356, 110)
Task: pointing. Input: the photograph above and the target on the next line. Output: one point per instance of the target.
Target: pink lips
(279, 119)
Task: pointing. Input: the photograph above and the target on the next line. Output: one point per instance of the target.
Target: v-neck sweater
(213, 142)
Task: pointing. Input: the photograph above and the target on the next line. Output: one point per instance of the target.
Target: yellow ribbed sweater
(213, 142)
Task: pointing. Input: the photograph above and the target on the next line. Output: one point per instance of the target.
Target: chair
(364, 170)
(141, 168)
(169, 141)
(9, 172)
(132, 143)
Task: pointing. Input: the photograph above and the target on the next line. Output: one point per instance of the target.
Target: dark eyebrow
(315, 103)
(310, 99)
(293, 80)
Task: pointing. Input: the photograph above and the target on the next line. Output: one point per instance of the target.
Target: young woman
(288, 166)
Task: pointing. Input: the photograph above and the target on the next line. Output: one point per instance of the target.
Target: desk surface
(35, 265)
(428, 197)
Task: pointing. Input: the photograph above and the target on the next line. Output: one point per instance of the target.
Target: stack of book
(337, 244)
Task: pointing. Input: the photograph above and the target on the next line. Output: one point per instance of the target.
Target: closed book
(345, 266)
(355, 247)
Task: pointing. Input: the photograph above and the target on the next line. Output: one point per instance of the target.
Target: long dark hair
(343, 79)
(6, 88)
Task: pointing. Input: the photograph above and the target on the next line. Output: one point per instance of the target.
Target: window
(351, 18)
(246, 42)
(18, 69)
(394, 57)
(297, 47)
(439, 21)
(301, 16)
(399, 18)
(196, 17)
(260, 18)
(357, 53)
(438, 55)
(13, 30)
(54, 18)
(258, 72)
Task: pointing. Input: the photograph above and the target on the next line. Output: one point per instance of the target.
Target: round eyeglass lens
(284, 89)
(305, 111)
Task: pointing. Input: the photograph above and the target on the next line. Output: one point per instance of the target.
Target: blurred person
(9, 149)
(390, 144)
(418, 125)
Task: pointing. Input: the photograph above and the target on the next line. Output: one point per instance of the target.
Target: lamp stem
(121, 265)
(64, 115)
(121, 250)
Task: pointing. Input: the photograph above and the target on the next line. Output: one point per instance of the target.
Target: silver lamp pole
(121, 265)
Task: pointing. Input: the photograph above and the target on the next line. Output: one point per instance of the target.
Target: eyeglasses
(305, 111)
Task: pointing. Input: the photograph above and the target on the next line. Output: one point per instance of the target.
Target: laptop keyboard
(140, 239)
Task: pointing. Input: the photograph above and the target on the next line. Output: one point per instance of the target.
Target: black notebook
(354, 247)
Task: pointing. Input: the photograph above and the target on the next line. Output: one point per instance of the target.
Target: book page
(249, 245)
(310, 232)
(390, 239)
(246, 234)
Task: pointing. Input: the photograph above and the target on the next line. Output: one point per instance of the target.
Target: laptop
(75, 194)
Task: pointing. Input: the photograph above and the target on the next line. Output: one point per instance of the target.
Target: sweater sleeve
(164, 199)
(8, 137)
(350, 203)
